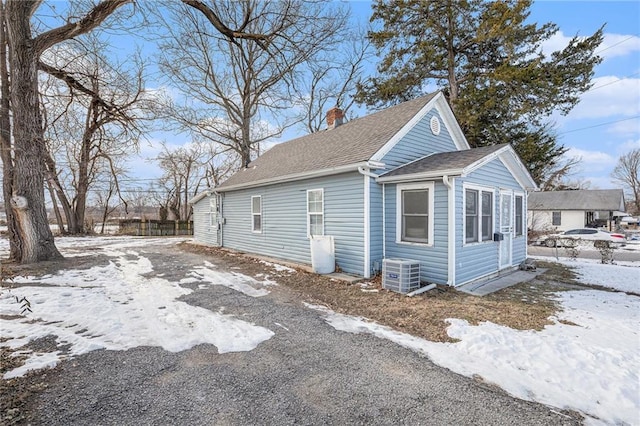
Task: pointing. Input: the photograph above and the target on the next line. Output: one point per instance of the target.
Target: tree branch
(73, 29)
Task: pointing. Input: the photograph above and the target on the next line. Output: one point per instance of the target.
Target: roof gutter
(420, 176)
(294, 177)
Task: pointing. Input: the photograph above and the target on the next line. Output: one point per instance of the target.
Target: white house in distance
(564, 210)
(401, 183)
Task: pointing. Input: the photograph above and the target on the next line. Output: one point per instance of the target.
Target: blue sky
(606, 123)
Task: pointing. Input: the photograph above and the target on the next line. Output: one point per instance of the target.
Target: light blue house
(399, 183)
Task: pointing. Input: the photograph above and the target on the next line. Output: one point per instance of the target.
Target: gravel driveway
(307, 373)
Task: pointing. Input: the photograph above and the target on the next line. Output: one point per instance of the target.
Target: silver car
(588, 234)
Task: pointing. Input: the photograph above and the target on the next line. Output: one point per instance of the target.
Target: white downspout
(451, 245)
(367, 220)
(384, 222)
(221, 217)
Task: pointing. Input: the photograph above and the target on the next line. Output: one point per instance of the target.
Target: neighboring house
(398, 183)
(564, 210)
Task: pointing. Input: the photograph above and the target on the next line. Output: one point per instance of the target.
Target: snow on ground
(587, 360)
(622, 276)
(118, 306)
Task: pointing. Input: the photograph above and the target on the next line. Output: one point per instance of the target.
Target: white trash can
(323, 258)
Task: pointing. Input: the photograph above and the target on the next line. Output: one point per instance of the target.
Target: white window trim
(480, 189)
(524, 215)
(430, 186)
(315, 213)
(256, 214)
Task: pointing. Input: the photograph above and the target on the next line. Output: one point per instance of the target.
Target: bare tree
(555, 175)
(23, 150)
(187, 170)
(95, 114)
(33, 240)
(627, 173)
(331, 78)
(237, 92)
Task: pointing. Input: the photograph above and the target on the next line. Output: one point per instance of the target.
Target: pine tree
(488, 60)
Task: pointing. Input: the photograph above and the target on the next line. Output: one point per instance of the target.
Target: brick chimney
(335, 117)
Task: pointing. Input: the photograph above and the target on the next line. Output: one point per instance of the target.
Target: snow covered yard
(120, 305)
(588, 360)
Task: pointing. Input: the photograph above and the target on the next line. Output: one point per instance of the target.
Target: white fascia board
(439, 103)
(449, 120)
(511, 161)
(295, 177)
(484, 160)
(405, 129)
(517, 168)
(200, 196)
(437, 174)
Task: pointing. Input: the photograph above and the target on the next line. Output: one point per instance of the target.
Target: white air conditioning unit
(400, 275)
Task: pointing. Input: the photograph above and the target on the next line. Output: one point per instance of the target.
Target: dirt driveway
(306, 373)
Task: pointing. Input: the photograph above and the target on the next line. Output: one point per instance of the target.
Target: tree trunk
(28, 178)
(56, 210)
(54, 182)
(5, 141)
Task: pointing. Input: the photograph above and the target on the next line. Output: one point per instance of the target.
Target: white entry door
(506, 228)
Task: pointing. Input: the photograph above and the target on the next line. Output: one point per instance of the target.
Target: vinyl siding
(203, 232)
(418, 142)
(476, 260)
(433, 259)
(284, 220)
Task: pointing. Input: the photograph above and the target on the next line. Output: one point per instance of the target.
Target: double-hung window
(487, 216)
(519, 215)
(415, 213)
(256, 213)
(315, 212)
(478, 215)
(556, 218)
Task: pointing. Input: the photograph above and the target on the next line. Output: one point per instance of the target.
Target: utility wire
(599, 125)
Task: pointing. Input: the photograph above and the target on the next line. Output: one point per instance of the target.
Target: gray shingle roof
(352, 142)
(456, 160)
(592, 199)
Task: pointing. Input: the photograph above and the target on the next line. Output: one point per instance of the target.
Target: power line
(615, 44)
(619, 79)
(599, 125)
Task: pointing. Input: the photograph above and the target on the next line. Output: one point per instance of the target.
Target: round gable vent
(435, 125)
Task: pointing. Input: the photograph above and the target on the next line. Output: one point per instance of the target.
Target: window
(478, 213)
(315, 212)
(471, 215)
(487, 216)
(256, 213)
(213, 209)
(519, 215)
(556, 218)
(415, 213)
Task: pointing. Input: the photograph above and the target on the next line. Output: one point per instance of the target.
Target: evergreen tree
(489, 62)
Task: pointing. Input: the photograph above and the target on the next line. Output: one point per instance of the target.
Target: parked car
(588, 234)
